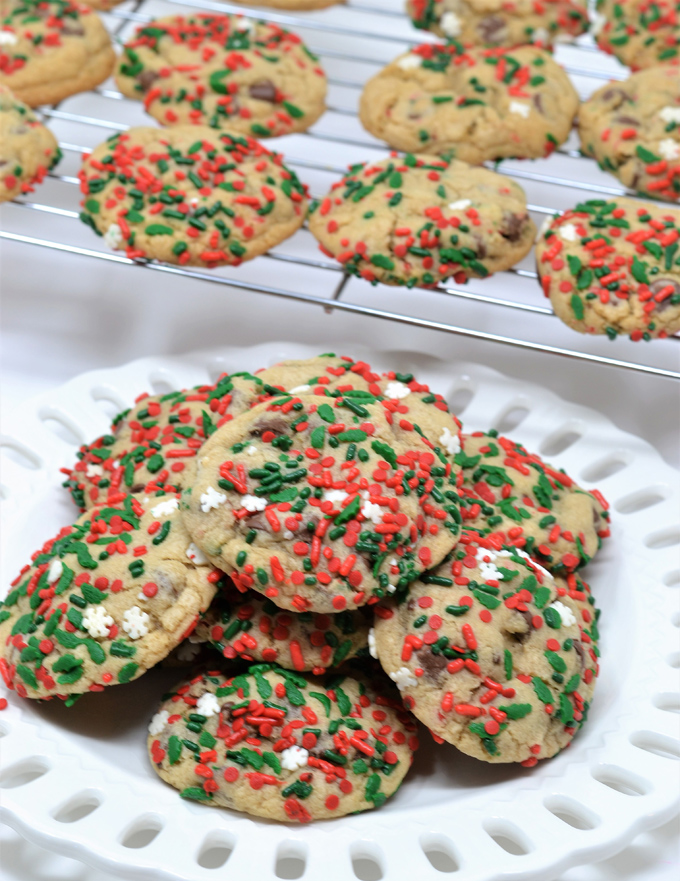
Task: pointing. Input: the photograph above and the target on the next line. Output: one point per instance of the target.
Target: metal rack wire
(555, 183)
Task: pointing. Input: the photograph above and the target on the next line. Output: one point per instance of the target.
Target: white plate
(617, 778)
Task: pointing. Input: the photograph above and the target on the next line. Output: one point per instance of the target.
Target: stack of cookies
(345, 560)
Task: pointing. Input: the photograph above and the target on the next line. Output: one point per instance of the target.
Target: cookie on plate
(50, 49)
(528, 504)
(612, 267)
(317, 504)
(276, 744)
(28, 150)
(640, 33)
(421, 220)
(225, 71)
(632, 128)
(190, 195)
(499, 23)
(249, 626)
(472, 104)
(157, 440)
(493, 654)
(104, 600)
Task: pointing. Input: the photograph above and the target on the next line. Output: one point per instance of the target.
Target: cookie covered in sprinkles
(317, 504)
(277, 744)
(613, 267)
(104, 600)
(640, 33)
(493, 654)
(28, 149)
(225, 71)
(190, 195)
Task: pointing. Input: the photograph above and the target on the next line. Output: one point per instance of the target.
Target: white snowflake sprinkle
(294, 757)
(371, 510)
(208, 705)
(565, 613)
(165, 508)
(372, 648)
(212, 499)
(568, 232)
(540, 35)
(403, 678)
(450, 441)
(670, 114)
(460, 204)
(7, 38)
(93, 470)
(114, 236)
(299, 389)
(244, 24)
(335, 496)
(196, 555)
(135, 622)
(488, 570)
(96, 620)
(409, 62)
(520, 108)
(251, 450)
(451, 24)
(397, 390)
(158, 722)
(188, 651)
(669, 149)
(253, 503)
(54, 572)
(520, 553)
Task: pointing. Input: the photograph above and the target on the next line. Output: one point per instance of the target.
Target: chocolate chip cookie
(640, 33)
(28, 149)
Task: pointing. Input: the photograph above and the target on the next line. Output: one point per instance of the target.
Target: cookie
(276, 744)
(290, 4)
(103, 601)
(409, 405)
(640, 33)
(471, 104)
(157, 440)
(190, 195)
(493, 654)
(249, 626)
(225, 71)
(318, 505)
(498, 23)
(528, 504)
(50, 49)
(633, 130)
(612, 267)
(420, 220)
(28, 150)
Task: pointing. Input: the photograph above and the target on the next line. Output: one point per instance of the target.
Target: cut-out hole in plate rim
(20, 454)
(23, 772)
(440, 852)
(216, 849)
(62, 426)
(508, 837)
(142, 831)
(572, 812)
(78, 806)
(621, 780)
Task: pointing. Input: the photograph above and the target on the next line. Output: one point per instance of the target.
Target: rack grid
(353, 42)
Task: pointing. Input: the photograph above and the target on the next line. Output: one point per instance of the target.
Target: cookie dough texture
(420, 220)
(493, 654)
(157, 440)
(225, 71)
(28, 150)
(103, 601)
(302, 5)
(319, 505)
(474, 104)
(276, 744)
(499, 23)
(612, 267)
(640, 33)
(208, 198)
(632, 129)
(528, 504)
(249, 626)
(50, 49)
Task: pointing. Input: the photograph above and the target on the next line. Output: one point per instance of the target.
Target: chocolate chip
(513, 226)
(137, 488)
(658, 286)
(74, 29)
(580, 652)
(269, 423)
(615, 92)
(263, 90)
(432, 664)
(627, 120)
(492, 29)
(146, 78)
(480, 247)
(537, 101)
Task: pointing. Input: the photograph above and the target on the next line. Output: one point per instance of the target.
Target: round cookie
(103, 601)
(190, 195)
(612, 267)
(499, 23)
(472, 104)
(50, 49)
(529, 505)
(225, 71)
(633, 130)
(319, 505)
(493, 654)
(421, 220)
(249, 626)
(302, 5)
(276, 744)
(28, 150)
(157, 440)
(640, 33)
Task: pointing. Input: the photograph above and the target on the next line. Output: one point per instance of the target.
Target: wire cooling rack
(354, 41)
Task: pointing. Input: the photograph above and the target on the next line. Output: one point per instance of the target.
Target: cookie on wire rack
(640, 33)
